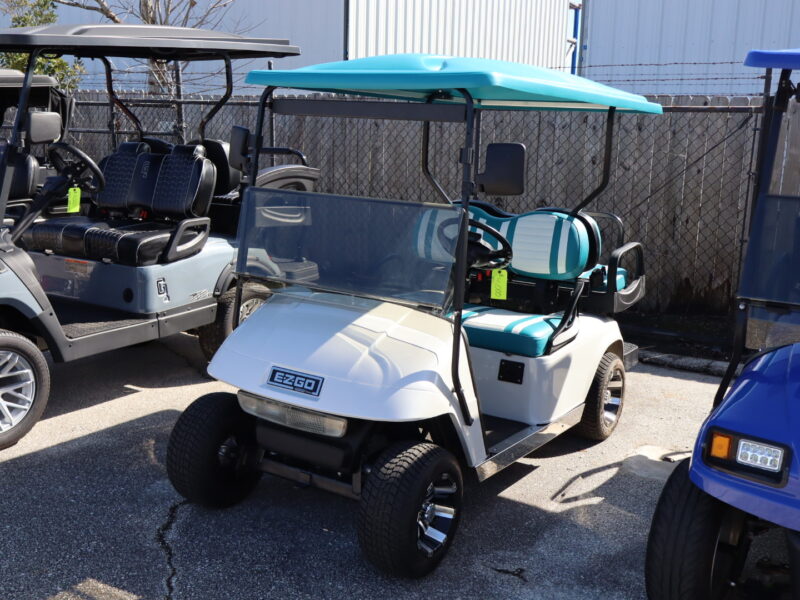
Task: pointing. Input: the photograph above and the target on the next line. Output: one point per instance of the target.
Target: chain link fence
(681, 182)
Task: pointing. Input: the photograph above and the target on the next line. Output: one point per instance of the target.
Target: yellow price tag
(499, 284)
(74, 200)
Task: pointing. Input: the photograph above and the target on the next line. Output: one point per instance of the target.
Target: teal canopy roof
(493, 84)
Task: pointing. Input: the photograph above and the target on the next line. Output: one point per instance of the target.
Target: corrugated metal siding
(619, 34)
(526, 31)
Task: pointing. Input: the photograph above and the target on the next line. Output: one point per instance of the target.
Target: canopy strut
(606, 162)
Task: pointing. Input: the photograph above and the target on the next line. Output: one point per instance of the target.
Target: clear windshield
(395, 251)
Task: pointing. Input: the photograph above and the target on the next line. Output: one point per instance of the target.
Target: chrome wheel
(612, 398)
(248, 307)
(17, 389)
(436, 515)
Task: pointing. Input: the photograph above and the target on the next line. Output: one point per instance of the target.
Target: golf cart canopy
(493, 84)
(140, 41)
(773, 59)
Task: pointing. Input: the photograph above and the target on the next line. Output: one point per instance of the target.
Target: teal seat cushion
(546, 244)
(622, 277)
(508, 331)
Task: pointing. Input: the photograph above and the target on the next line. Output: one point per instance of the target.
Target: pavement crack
(515, 572)
(166, 548)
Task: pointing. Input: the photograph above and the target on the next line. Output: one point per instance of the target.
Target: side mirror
(43, 127)
(239, 157)
(505, 170)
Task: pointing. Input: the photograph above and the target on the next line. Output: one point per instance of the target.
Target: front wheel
(212, 335)
(24, 386)
(697, 546)
(207, 452)
(410, 508)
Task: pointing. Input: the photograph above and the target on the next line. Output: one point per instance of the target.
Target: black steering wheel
(480, 255)
(76, 166)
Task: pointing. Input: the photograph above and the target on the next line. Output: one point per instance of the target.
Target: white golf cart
(409, 342)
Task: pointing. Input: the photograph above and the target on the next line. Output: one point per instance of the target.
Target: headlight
(761, 456)
(291, 416)
(755, 459)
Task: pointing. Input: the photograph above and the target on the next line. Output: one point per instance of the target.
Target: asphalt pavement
(87, 511)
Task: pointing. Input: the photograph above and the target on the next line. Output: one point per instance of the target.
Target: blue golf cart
(743, 478)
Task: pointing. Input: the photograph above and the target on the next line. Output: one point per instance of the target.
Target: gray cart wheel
(24, 386)
(605, 399)
(208, 450)
(697, 545)
(212, 335)
(410, 508)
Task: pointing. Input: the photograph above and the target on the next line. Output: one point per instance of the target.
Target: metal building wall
(527, 31)
(618, 35)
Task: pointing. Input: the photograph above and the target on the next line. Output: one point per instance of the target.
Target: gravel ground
(88, 512)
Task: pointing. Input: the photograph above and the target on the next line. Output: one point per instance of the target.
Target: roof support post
(180, 124)
(201, 129)
(258, 140)
(24, 95)
(119, 103)
(467, 186)
(606, 162)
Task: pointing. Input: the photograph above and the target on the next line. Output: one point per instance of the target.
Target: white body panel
(552, 385)
(385, 362)
(380, 361)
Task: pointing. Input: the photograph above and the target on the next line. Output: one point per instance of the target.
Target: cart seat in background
(153, 210)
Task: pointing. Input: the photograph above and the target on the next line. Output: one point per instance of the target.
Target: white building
(683, 46)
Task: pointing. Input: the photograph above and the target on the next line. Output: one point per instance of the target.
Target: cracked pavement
(87, 512)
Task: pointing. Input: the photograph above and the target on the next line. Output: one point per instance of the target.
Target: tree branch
(102, 7)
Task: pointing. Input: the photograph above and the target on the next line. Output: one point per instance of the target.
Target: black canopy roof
(140, 41)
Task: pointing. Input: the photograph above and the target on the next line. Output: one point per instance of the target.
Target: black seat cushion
(118, 169)
(136, 243)
(185, 184)
(63, 235)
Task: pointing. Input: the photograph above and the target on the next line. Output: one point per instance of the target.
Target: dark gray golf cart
(148, 253)
(44, 96)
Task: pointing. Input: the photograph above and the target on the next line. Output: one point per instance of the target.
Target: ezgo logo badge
(297, 382)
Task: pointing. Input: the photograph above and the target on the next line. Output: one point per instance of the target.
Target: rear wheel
(697, 546)
(605, 399)
(212, 335)
(207, 453)
(410, 508)
(24, 386)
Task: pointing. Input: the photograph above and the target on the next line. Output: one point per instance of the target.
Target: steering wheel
(76, 166)
(479, 254)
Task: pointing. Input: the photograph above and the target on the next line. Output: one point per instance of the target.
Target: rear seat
(169, 194)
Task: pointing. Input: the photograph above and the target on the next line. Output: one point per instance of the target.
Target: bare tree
(177, 13)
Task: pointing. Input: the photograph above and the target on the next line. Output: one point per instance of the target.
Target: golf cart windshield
(395, 251)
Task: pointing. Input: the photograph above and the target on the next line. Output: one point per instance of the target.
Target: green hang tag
(499, 284)
(74, 200)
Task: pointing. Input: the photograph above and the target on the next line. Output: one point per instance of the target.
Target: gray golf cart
(44, 96)
(148, 253)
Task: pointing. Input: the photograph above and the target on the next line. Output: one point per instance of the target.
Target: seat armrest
(613, 264)
(176, 250)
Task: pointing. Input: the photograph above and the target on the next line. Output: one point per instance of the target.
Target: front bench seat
(177, 208)
(64, 235)
(511, 332)
(172, 192)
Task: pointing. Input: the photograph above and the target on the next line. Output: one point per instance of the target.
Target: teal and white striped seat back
(546, 244)
(426, 237)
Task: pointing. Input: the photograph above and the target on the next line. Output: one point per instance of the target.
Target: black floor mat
(79, 320)
(496, 429)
